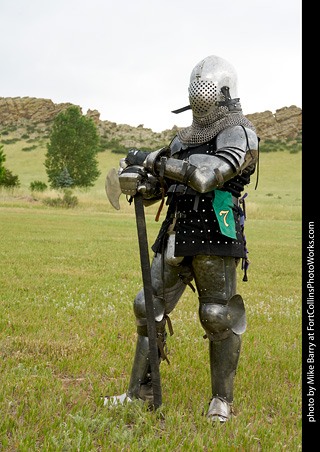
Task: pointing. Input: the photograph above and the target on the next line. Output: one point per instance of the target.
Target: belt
(180, 190)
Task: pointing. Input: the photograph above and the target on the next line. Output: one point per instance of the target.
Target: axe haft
(147, 285)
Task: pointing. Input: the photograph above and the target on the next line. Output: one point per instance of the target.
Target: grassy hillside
(279, 179)
(67, 329)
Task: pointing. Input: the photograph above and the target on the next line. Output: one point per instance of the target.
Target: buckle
(178, 189)
(178, 215)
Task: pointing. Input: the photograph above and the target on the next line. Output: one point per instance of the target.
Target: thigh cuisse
(167, 288)
(216, 281)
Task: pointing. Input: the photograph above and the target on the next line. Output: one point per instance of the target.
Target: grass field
(67, 332)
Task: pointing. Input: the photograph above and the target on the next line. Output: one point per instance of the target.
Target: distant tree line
(291, 145)
(71, 158)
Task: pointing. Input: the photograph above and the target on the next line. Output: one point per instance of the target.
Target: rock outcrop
(283, 124)
(28, 109)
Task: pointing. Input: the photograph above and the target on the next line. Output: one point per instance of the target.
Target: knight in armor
(202, 173)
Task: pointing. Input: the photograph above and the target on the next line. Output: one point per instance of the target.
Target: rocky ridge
(285, 123)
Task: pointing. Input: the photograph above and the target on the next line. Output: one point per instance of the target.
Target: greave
(140, 366)
(140, 382)
(224, 357)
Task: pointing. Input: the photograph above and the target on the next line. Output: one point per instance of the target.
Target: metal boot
(138, 374)
(140, 384)
(140, 367)
(224, 357)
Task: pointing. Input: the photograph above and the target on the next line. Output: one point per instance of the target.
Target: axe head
(113, 189)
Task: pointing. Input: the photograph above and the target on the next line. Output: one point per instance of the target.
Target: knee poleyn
(220, 320)
(139, 308)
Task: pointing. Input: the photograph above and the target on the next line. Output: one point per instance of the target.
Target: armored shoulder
(177, 146)
(238, 137)
(238, 146)
(236, 149)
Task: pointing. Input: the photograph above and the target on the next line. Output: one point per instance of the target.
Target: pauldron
(237, 148)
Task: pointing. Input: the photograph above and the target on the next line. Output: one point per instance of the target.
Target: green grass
(67, 334)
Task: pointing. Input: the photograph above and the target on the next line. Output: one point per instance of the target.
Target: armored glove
(147, 159)
(136, 157)
(135, 178)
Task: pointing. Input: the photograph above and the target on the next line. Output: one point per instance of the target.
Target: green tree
(7, 179)
(2, 159)
(73, 144)
(64, 180)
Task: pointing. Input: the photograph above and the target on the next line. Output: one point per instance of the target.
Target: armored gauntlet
(135, 179)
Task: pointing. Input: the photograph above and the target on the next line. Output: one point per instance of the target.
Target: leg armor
(167, 286)
(222, 316)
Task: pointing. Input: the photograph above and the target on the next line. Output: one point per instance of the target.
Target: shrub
(37, 185)
(68, 200)
(115, 146)
(30, 148)
(64, 180)
(2, 159)
(9, 180)
(10, 141)
(291, 145)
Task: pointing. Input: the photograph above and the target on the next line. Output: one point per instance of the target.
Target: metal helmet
(213, 83)
(213, 101)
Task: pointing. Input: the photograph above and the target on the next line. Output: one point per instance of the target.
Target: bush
(10, 141)
(30, 148)
(115, 146)
(64, 180)
(2, 159)
(9, 180)
(68, 200)
(293, 145)
(37, 185)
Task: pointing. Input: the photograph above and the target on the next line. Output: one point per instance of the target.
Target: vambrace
(237, 148)
(202, 173)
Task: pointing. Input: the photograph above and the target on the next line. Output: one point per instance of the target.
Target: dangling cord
(244, 129)
(187, 282)
(245, 260)
(163, 161)
(161, 348)
(258, 165)
(169, 324)
(162, 200)
(162, 267)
